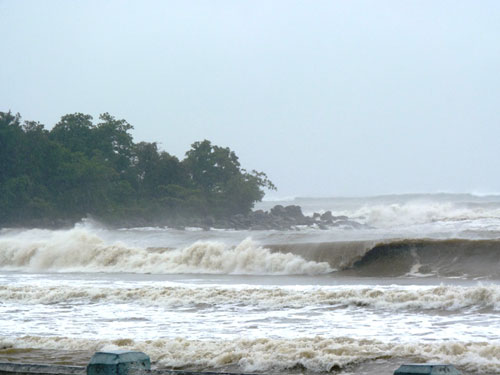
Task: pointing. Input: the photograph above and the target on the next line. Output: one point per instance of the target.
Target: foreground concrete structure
(138, 363)
(118, 363)
(32, 369)
(427, 369)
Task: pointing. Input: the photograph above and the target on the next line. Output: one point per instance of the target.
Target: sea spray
(403, 292)
(82, 250)
(421, 212)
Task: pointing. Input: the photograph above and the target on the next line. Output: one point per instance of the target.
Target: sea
(417, 280)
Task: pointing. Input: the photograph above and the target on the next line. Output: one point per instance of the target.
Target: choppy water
(420, 283)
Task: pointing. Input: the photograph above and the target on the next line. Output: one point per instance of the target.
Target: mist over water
(418, 281)
(327, 98)
(406, 211)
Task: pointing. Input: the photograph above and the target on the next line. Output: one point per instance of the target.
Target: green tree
(79, 168)
(83, 186)
(11, 135)
(227, 188)
(210, 167)
(74, 131)
(112, 138)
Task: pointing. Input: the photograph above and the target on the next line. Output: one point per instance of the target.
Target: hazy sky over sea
(326, 97)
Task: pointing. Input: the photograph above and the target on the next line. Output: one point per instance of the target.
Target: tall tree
(74, 131)
(111, 137)
(11, 135)
(79, 168)
(216, 171)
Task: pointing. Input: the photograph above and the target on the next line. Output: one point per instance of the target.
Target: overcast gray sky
(326, 97)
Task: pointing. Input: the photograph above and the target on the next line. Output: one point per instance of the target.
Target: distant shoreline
(279, 217)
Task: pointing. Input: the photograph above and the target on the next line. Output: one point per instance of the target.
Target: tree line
(82, 168)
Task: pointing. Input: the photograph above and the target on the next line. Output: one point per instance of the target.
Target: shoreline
(71, 362)
(282, 218)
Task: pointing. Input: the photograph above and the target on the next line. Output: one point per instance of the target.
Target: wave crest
(449, 298)
(80, 250)
(405, 257)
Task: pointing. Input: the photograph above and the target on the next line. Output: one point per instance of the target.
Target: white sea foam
(315, 354)
(418, 213)
(82, 250)
(449, 298)
(428, 212)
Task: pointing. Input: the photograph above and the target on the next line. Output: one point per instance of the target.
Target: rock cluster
(277, 218)
(282, 218)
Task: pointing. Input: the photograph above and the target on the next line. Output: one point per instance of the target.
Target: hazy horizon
(328, 98)
(276, 197)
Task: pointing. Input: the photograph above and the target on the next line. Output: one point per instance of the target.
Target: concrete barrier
(101, 363)
(118, 363)
(138, 363)
(426, 369)
(32, 369)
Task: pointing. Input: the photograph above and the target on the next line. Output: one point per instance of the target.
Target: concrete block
(426, 369)
(117, 363)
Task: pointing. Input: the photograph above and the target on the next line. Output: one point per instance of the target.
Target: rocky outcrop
(277, 218)
(283, 218)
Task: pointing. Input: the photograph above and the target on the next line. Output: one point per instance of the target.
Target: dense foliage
(79, 168)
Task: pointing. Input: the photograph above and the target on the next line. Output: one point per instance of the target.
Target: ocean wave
(449, 298)
(314, 354)
(419, 211)
(82, 250)
(405, 257)
(423, 212)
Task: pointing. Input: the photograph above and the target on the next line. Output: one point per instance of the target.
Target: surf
(449, 298)
(83, 250)
(405, 257)
(312, 354)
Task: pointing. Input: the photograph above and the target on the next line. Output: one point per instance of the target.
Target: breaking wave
(315, 354)
(80, 250)
(83, 250)
(449, 298)
(419, 212)
(407, 257)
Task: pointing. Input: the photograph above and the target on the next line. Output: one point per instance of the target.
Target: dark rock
(308, 221)
(327, 216)
(278, 218)
(278, 210)
(238, 219)
(259, 214)
(294, 212)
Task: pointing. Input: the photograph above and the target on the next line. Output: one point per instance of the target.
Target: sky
(329, 98)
